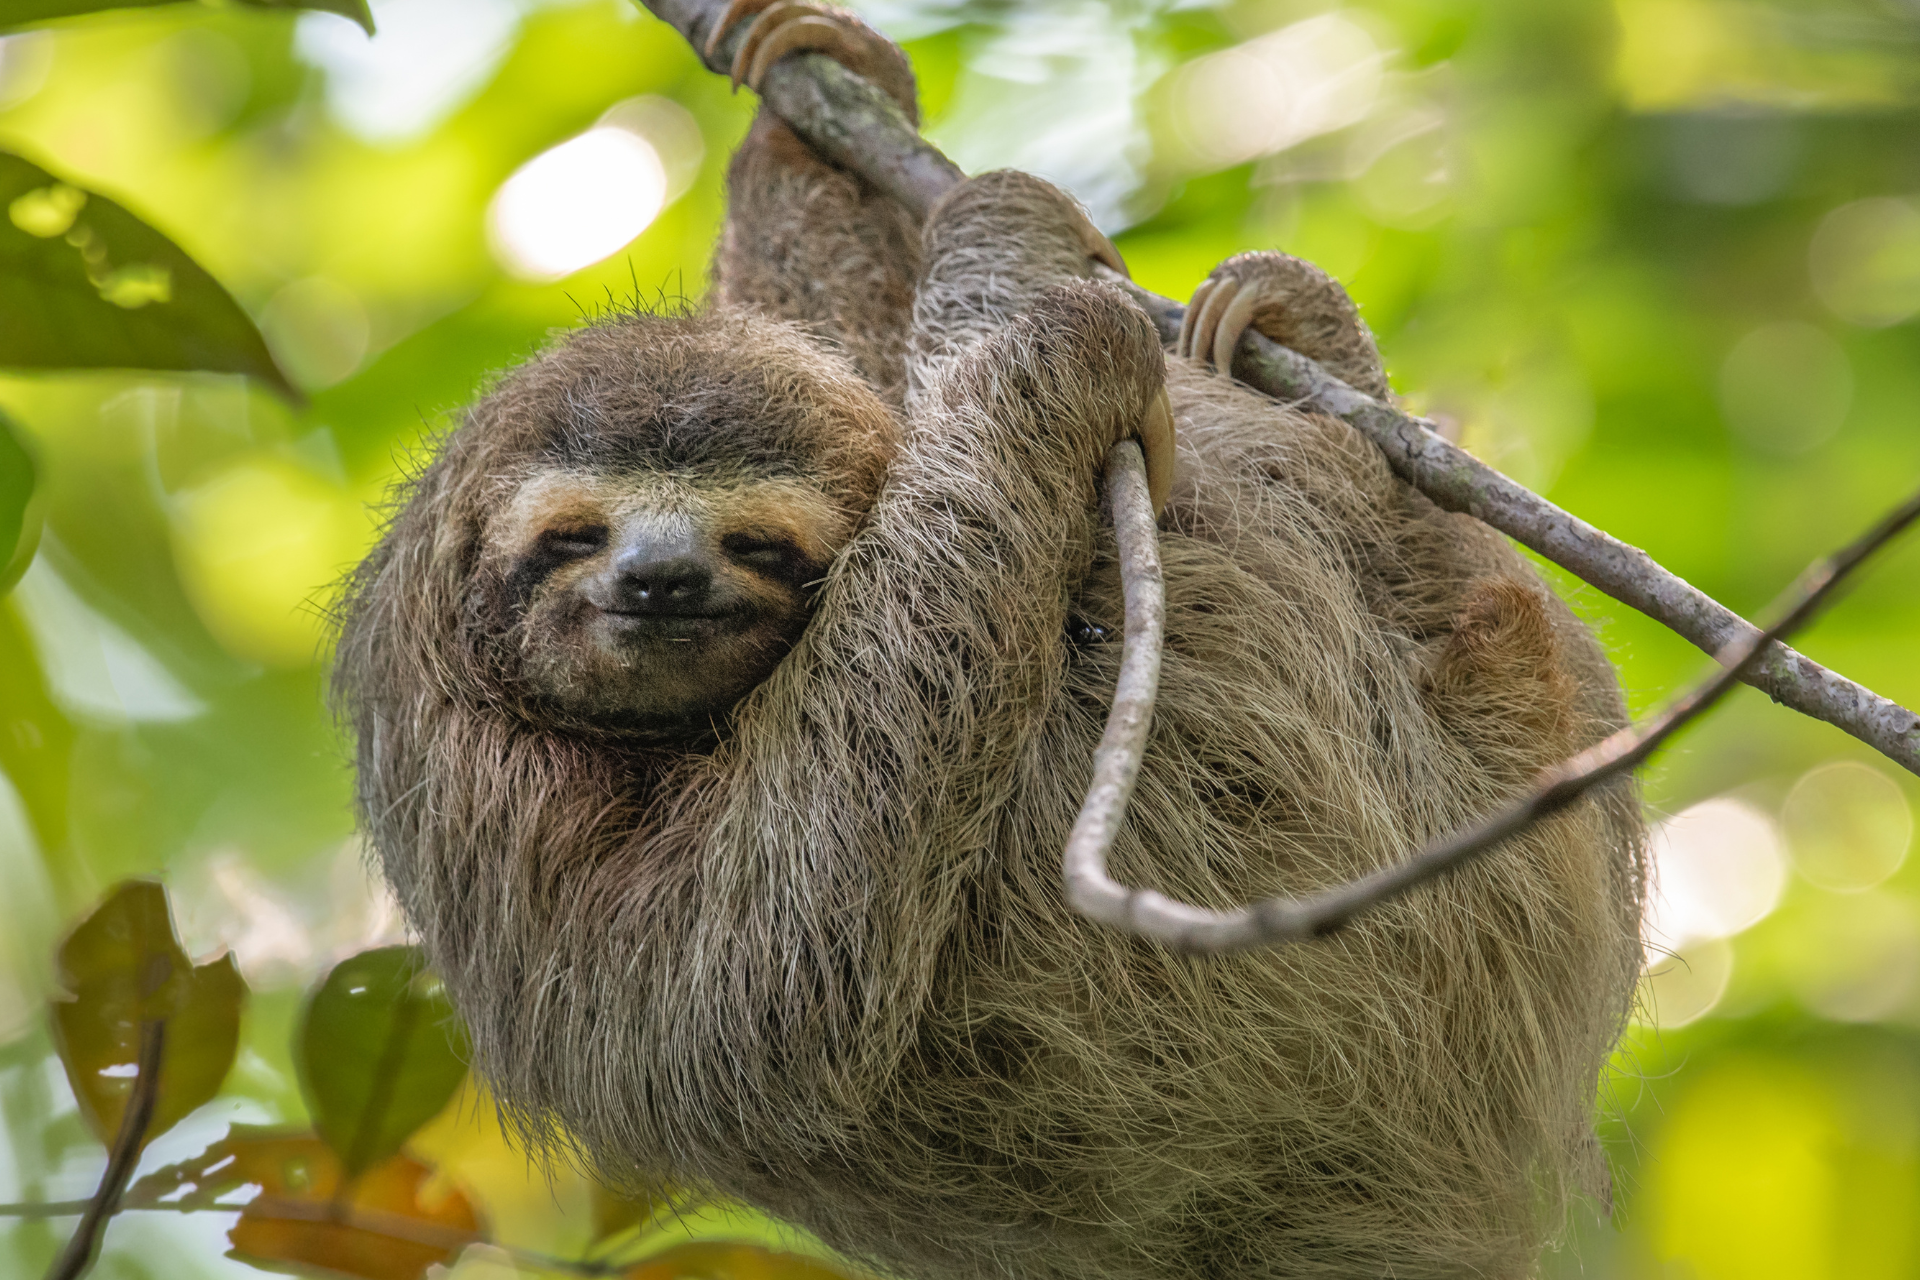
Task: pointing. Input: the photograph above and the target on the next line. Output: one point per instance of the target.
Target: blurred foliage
(122, 967)
(19, 523)
(84, 283)
(20, 13)
(380, 1054)
(1659, 259)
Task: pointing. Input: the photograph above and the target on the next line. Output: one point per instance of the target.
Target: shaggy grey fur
(825, 965)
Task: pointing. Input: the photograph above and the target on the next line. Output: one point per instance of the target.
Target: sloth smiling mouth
(679, 627)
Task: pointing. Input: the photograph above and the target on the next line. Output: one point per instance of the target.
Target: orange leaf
(731, 1260)
(308, 1219)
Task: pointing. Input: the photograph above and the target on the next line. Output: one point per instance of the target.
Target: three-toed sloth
(726, 685)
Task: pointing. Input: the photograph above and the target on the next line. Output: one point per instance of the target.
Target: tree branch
(1184, 927)
(84, 1244)
(858, 127)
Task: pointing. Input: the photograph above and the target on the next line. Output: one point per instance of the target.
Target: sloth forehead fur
(788, 961)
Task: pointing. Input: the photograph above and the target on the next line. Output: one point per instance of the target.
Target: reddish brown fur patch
(1503, 671)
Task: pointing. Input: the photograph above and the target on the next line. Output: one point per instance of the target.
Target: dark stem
(84, 1245)
(1279, 920)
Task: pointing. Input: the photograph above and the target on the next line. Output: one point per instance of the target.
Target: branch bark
(858, 127)
(84, 1245)
(1185, 927)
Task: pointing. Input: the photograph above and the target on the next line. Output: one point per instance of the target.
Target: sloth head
(633, 524)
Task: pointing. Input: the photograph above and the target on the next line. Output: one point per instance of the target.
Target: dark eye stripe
(772, 557)
(572, 544)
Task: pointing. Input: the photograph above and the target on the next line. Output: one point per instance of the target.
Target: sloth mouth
(676, 627)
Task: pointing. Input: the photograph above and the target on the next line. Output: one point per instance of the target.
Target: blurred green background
(1657, 258)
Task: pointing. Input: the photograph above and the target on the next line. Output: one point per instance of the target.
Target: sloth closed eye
(574, 544)
(769, 555)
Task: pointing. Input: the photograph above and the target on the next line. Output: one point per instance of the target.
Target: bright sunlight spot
(1717, 869)
(569, 207)
(1277, 90)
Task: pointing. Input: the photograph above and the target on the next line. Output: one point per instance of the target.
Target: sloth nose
(648, 582)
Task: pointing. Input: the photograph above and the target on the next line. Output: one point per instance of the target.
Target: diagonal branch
(1185, 927)
(859, 128)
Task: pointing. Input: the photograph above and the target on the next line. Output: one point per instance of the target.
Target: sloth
(725, 684)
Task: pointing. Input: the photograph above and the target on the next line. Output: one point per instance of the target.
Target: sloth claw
(1216, 318)
(787, 26)
(1290, 301)
(1098, 247)
(1156, 445)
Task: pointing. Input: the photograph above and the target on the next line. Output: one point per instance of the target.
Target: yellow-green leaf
(19, 522)
(730, 1260)
(123, 966)
(380, 1052)
(20, 13)
(614, 1213)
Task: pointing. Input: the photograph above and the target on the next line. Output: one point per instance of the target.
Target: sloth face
(652, 603)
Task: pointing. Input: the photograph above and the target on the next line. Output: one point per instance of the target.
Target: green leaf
(123, 966)
(380, 1052)
(19, 521)
(86, 285)
(20, 13)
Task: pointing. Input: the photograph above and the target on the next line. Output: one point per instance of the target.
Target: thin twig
(1457, 481)
(269, 1208)
(84, 1245)
(860, 128)
(1278, 920)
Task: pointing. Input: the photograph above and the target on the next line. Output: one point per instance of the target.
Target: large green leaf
(20, 13)
(86, 285)
(123, 966)
(380, 1052)
(19, 522)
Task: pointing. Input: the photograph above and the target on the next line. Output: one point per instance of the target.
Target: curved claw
(1230, 326)
(1207, 323)
(1183, 345)
(737, 10)
(1156, 443)
(1101, 249)
(777, 35)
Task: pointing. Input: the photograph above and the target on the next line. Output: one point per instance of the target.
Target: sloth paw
(1292, 302)
(781, 27)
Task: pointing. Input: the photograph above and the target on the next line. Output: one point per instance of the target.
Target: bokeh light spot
(1685, 985)
(1717, 869)
(1865, 261)
(569, 207)
(1785, 388)
(425, 59)
(318, 330)
(1848, 826)
(1277, 90)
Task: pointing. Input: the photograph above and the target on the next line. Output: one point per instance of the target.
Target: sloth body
(759, 891)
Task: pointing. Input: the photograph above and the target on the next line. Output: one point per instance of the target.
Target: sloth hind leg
(1292, 302)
